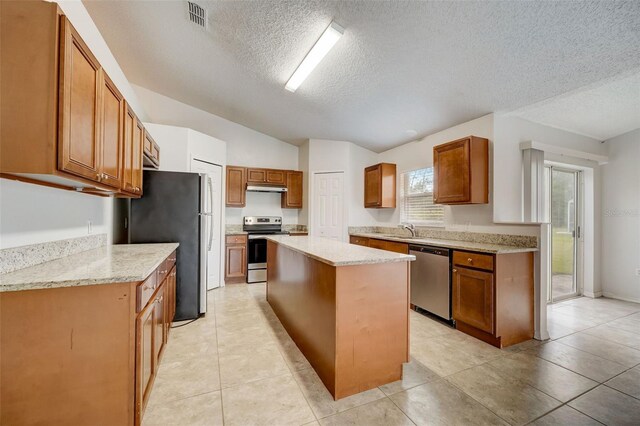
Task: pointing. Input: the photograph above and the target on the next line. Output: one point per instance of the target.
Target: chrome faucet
(410, 227)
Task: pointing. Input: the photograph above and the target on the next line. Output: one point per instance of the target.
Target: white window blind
(416, 198)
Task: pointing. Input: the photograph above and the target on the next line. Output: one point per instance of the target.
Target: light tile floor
(238, 366)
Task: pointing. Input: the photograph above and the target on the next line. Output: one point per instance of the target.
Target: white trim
(600, 159)
(592, 295)
(614, 296)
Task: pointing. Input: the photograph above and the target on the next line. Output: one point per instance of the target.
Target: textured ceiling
(400, 66)
(603, 111)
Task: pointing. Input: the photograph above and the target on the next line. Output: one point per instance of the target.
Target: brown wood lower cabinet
(492, 296)
(389, 245)
(380, 244)
(473, 298)
(83, 355)
(235, 270)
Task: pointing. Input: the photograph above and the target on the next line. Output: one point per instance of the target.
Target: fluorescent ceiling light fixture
(319, 50)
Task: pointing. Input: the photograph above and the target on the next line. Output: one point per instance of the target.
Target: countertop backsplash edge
(15, 258)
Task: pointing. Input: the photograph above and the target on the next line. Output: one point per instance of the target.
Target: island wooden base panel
(350, 322)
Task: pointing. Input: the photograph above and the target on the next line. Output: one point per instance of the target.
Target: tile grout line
(215, 316)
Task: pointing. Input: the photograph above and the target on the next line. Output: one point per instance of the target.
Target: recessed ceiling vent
(197, 15)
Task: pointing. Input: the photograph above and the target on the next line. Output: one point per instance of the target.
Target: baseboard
(592, 295)
(614, 296)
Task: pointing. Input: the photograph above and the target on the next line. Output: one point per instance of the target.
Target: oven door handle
(256, 237)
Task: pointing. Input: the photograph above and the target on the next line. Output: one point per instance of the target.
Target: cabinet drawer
(163, 271)
(145, 290)
(236, 239)
(473, 260)
(361, 241)
(171, 261)
(389, 246)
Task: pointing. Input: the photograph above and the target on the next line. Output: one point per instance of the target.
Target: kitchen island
(345, 306)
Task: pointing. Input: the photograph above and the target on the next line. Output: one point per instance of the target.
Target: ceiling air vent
(197, 15)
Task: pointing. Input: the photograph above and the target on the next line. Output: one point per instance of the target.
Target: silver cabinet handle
(454, 270)
(470, 260)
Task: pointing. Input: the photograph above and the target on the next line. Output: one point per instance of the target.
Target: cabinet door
(276, 177)
(111, 142)
(473, 298)
(170, 297)
(236, 262)
(372, 186)
(136, 157)
(451, 172)
(145, 366)
(159, 322)
(127, 155)
(79, 127)
(236, 186)
(292, 199)
(256, 176)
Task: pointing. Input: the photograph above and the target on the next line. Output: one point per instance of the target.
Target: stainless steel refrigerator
(172, 209)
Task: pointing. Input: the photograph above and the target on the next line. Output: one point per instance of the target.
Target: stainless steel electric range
(257, 227)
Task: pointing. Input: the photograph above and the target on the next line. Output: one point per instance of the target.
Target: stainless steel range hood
(261, 188)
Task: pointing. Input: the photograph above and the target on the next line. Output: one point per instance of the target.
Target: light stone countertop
(104, 265)
(451, 244)
(338, 253)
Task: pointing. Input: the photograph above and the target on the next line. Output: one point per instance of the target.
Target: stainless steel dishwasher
(430, 280)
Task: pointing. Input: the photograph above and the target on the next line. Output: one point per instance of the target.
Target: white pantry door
(213, 205)
(328, 205)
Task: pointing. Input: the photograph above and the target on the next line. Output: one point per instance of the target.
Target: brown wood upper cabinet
(380, 186)
(461, 171)
(292, 199)
(111, 140)
(79, 113)
(151, 151)
(65, 124)
(132, 156)
(266, 176)
(236, 186)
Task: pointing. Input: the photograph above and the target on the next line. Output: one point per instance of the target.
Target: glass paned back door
(564, 209)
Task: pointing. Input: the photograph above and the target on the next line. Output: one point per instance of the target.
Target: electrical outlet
(89, 227)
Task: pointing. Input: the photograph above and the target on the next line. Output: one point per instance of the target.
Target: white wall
(303, 166)
(244, 147)
(32, 214)
(509, 132)
(621, 218)
(419, 154)
(328, 155)
(359, 159)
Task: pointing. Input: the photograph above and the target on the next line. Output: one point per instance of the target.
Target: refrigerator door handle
(210, 213)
